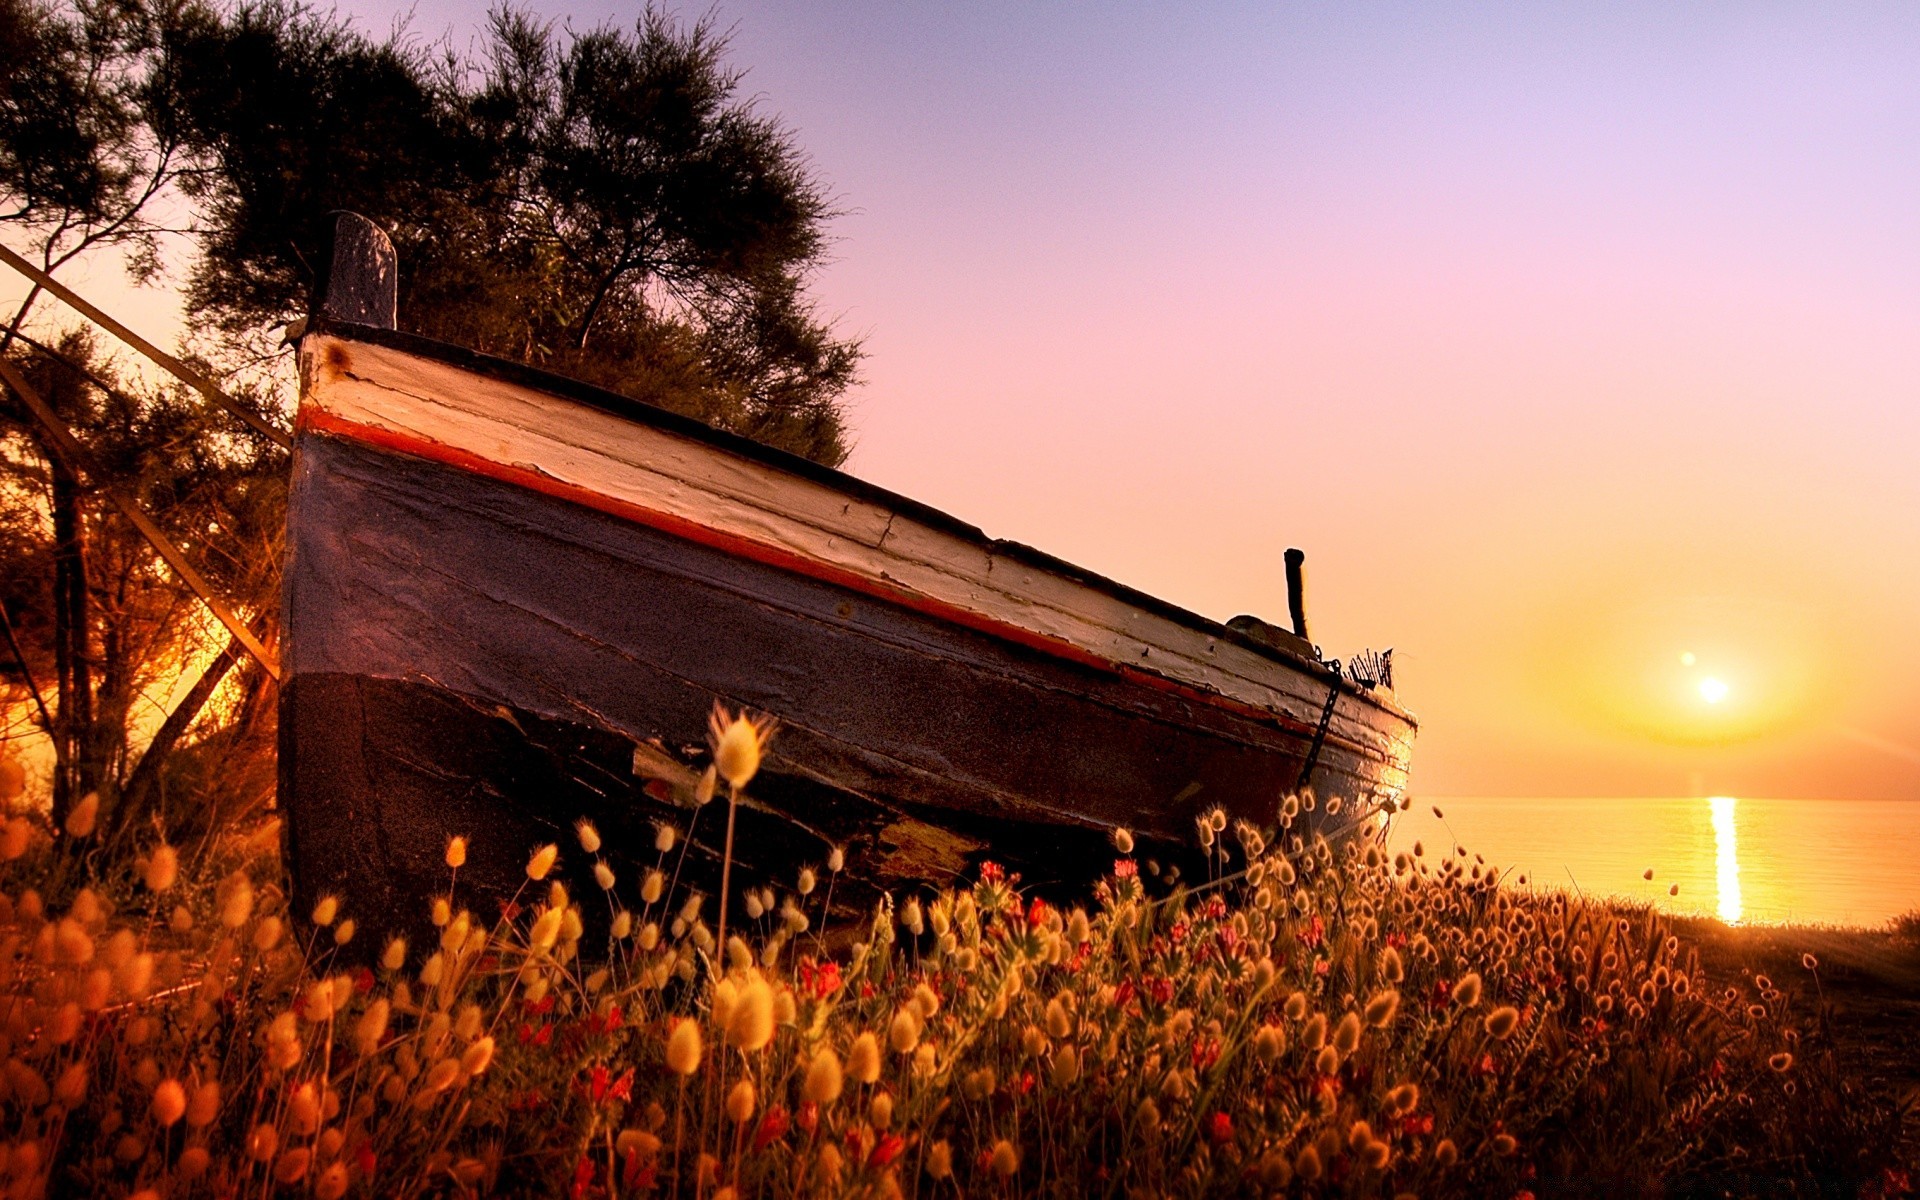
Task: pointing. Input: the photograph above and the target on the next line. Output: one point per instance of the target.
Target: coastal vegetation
(1315, 1018)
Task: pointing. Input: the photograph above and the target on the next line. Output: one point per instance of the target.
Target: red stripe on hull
(317, 420)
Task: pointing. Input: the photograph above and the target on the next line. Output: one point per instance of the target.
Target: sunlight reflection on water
(1841, 862)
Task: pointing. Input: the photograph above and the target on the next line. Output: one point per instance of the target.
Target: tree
(604, 205)
(607, 205)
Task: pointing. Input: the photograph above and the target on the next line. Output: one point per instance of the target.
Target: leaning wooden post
(1297, 592)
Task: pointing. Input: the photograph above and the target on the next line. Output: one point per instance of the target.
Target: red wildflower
(809, 1119)
(992, 872)
(886, 1150)
(1220, 1128)
(363, 1158)
(362, 980)
(1125, 868)
(622, 1088)
(1026, 1082)
(638, 1176)
(772, 1127)
(1037, 911)
(582, 1178)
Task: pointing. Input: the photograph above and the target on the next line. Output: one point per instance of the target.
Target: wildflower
(292, 1167)
(751, 1023)
(736, 748)
(1122, 840)
(823, 1081)
(238, 905)
(326, 910)
(1381, 1008)
(1307, 1165)
(1466, 993)
(904, 1033)
(169, 1102)
(205, 1104)
(683, 1047)
(1269, 1043)
(542, 861)
(863, 1059)
(1004, 1160)
(603, 875)
(456, 852)
(262, 1142)
(740, 1102)
(163, 868)
(83, 816)
(332, 1183)
(1501, 1021)
(588, 835)
(71, 1088)
(1066, 1067)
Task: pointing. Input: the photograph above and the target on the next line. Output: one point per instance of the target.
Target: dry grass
(1324, 1021)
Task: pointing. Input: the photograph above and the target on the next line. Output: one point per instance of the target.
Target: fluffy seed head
(456, 852)
(1502, 1021)
(1381, 1008)
(542, 861)
(824, 1079)
(603, 875)
(904, 1033)
(863, 1059)
(736, 748)
(740, 1102)
(83, 816)
(683, 1047)
(163, 868)
(751, 1026)
(1122, 840)
(1466, 993)
(589, 836)
(169, 1102)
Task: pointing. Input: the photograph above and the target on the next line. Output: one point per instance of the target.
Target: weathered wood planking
(500, 583)
(429, 407)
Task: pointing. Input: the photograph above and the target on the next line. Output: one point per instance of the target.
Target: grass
(1317, 1020)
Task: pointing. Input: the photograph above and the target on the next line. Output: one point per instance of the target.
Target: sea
(1745, 861)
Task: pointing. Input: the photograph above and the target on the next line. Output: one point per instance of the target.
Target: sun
(1713, 691)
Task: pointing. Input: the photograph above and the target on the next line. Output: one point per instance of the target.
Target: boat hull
(471, 656)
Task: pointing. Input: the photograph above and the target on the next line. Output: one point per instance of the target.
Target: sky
(1565, 340)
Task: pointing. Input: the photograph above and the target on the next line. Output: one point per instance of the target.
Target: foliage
(116, 628)
(603, 205)
(1323, 1022)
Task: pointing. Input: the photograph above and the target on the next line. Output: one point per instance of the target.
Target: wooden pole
(80, 462)
(174, 366)
(1297, 592)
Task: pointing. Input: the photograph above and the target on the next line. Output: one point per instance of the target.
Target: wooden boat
(512, 601)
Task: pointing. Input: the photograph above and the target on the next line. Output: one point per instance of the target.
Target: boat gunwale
(639, 411)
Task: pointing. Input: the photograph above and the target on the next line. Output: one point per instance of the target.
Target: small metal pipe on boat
(1297, 591)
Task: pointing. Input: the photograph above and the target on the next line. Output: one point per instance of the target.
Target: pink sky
(1562, 344)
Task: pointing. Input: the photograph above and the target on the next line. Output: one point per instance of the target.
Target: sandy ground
(1870, 981)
